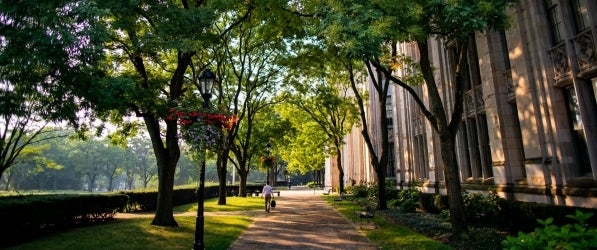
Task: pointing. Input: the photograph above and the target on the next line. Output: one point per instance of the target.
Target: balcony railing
(586, 55)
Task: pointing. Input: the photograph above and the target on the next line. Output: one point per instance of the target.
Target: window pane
(574, 109)
(581, 16)
(556, 24)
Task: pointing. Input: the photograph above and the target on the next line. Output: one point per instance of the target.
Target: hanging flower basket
(267, 161)
(267, 158)
(202, 130)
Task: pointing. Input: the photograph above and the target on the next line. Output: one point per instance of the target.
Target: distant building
(529, 128)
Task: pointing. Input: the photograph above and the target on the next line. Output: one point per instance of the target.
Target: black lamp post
(206, 80)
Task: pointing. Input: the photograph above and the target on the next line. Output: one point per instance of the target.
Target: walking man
(267, 193)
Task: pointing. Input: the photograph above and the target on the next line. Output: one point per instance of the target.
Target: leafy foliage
(358, 191)
(304, 144)
(62, 42)
(370, 31)
(570, 236)
(477, 206)
(408, 199)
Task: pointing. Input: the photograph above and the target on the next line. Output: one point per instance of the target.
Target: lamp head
(206, 82)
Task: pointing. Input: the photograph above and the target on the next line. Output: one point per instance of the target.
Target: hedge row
(147, 200)
(27, 216)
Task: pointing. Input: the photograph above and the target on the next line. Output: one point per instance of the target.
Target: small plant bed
(493, 223)
(437, 228)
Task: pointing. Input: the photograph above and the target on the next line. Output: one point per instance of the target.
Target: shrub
(409, 199)
(146, 200)
(432, 203)
(360, 191)
(409, 206)
(522, 216)
(478, 207)
(445, 214)
(440, 201)
(372, 192)
(391, 191)
(569, 236)
(394, 203)
(27, 216)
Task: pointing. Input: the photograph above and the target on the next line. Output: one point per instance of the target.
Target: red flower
(215, 119)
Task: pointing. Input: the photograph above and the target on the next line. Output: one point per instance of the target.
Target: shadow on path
(301, 220)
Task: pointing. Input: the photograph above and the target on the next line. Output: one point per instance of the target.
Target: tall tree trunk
(242, 187)
(8, 179)
(454, 189)
(166, 157)
(340, 169)
(91, 183)
(164, 212)
(381, 191)
(380, 171)
(222, 172)
(110, 184)
(447, 131)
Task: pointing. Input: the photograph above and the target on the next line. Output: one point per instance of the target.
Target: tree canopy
(133, 61)
(368, 32)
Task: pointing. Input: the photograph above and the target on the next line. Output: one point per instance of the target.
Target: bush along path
(494, 223)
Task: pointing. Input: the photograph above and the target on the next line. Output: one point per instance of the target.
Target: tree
(324, 99)
(33, 169)
(189, 170)
(248, 65)
(143, 166)
(67, 177)
(24, 150)
(302, 148)
(151, 53)
(40, 87)
(369, 31)
(113, 159)
(267, 127)
(88, 158)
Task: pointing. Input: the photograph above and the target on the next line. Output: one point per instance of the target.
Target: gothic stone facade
(529, 129)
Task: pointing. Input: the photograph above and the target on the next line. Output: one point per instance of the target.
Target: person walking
(267, 193)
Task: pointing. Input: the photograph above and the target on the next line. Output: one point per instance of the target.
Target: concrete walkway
(301, 220)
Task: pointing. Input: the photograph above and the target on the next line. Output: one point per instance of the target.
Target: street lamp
(206, 81)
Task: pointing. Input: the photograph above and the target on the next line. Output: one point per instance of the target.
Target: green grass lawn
(232, 204)
(138, 233)
(383, 232)
(220, 230)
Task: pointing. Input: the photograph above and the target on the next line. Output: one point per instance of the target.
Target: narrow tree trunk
(91, 183)
(454, 189)
(222, 172)
(381, 186)
(164, 212)
(340, 170)
(242, 187)
(8, 179)
(166, 158)
(242, 182)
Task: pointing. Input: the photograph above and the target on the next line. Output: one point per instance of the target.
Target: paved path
(301, 220)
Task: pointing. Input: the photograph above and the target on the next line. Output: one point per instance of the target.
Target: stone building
(529, 129)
